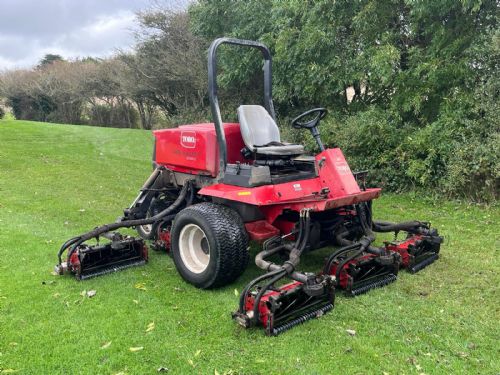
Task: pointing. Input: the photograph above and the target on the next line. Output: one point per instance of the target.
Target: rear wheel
(209, 245)
(146, 231)
(158, 204)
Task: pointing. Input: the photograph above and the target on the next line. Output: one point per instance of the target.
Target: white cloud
(94, 34)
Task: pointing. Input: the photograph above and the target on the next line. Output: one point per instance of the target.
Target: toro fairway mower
(216, 186)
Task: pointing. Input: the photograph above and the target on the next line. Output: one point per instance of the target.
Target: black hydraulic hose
(344, 262)
(76, 241)
(261, 256)
(251, 285)
(375, 250)
(408, 226)
(340, 238)
(301, 231)
(277, 272)
(336, 254)
(294, 258)
(261, 292)
(364, 243)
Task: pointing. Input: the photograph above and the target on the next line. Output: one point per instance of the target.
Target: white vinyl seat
(261, 135)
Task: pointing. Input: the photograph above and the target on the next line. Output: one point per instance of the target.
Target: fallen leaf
(236, 292)
(135, 301)
(83, 293)
(198, 352)
(82, 210)
(351, 332)
(140, 286)
(462, 354)
(56, 295)
(8, 371)
(91, 293)
(471, 346)
(106, 345)
(151, 326)
(418, 367)
(216, 372)
(13, 343)
(136, 348)
(162, 369)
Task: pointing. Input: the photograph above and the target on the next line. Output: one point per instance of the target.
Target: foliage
(411, 86)
(440, 321)
(49, 59)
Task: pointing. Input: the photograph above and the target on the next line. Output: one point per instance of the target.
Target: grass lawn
(59, 180)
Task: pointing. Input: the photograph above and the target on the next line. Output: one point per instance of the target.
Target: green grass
(59, 180)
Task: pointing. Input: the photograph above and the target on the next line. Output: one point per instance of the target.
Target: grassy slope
(57, 181)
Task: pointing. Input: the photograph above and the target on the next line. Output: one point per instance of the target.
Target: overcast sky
(29, 29)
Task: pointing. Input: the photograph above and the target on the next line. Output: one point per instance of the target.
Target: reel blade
(364, 286)
(422, 262)
(89, 261)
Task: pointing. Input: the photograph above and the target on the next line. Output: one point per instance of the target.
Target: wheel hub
(194, 248)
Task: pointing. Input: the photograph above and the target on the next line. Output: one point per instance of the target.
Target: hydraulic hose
(264, 289)
(408, 226)
(76, 241)
(251, 284)
(336, 254)
(295, 250)
(277, 272)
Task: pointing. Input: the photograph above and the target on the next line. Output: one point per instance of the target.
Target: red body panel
(264, 311)
(193, 148)
(334, 175)
(345, 280)
(260, 230)
(401, 247)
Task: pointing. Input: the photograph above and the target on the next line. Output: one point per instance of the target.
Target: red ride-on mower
(218, 185)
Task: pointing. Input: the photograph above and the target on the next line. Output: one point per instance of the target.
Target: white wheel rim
(148, 227)
(194, 248)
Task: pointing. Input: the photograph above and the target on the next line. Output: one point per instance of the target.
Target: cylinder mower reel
(217, 186)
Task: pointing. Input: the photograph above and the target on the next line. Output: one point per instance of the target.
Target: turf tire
(227, 239)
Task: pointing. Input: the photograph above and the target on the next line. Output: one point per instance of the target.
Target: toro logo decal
(188, 139)
(342, 168)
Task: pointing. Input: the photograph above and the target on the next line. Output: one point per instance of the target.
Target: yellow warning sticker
(244, 192)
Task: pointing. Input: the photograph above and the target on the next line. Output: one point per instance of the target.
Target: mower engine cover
(193, 148)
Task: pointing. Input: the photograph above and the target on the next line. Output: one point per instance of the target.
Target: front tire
(209, 245)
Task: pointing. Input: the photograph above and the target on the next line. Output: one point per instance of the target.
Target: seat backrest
(257, 126)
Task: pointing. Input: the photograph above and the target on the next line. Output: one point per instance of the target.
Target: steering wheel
(320, 114)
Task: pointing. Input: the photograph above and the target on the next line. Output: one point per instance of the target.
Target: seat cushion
(257, 126)
(261, 135)
(284, 150)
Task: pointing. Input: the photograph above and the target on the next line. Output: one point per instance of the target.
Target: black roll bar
(212, 90)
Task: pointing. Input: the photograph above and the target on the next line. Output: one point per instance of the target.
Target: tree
(169, 64)
(48, 59)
